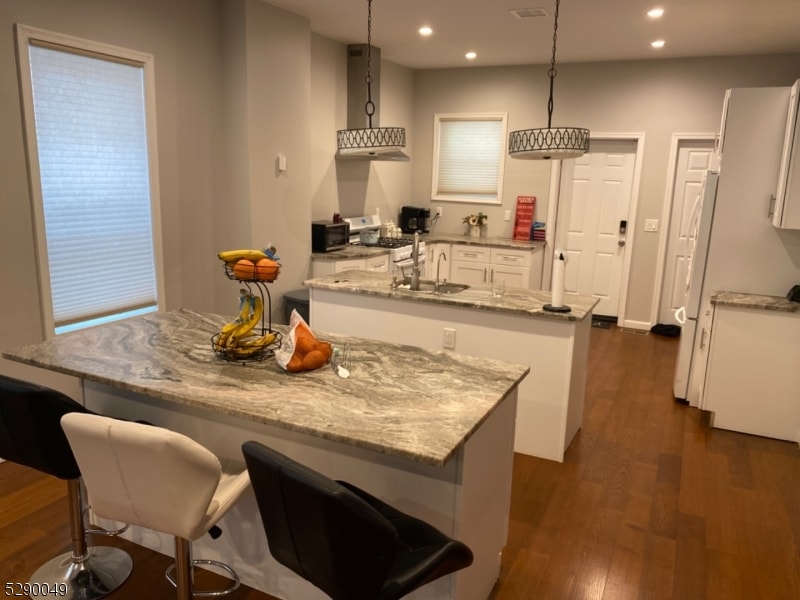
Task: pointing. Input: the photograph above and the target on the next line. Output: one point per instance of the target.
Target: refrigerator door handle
(703, 333)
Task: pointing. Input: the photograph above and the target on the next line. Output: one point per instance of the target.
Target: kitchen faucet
(415, 263)
(442, 255)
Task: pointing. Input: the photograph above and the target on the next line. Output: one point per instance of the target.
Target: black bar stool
(31, 435)
(346, 542)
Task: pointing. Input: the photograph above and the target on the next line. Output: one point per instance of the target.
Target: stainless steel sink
(444, 287)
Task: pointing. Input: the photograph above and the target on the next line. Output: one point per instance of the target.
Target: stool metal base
(207, 593)
(97, 574)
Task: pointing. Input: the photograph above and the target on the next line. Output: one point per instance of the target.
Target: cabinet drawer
(511, 257)
(377, 263)
(472, 253)
(348, 265)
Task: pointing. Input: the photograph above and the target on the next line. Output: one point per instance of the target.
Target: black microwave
(327, 235)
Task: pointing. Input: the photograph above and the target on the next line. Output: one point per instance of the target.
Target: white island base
(550, 399)
(467, 498)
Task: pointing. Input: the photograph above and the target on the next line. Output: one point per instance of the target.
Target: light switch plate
(651, 224)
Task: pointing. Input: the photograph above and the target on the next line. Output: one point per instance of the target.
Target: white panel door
(594, 202)
(693, 161)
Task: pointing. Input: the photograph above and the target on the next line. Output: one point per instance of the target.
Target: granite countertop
(755, 301)
(445, 238)
(399, 400)
(516, 301)
(359, 251)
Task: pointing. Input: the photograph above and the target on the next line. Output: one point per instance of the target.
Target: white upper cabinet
(786, 212)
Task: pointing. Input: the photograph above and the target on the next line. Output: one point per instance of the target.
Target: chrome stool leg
(183, 579)
(83, 573)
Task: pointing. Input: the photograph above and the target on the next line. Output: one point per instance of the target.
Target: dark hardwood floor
(649, 503)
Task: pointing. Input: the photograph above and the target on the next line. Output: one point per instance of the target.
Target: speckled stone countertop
(755, 301)
(399, 400)
(359, 251)
(517, 301)
(445, 238)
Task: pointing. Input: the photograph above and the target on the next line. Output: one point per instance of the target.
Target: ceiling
(588, 30)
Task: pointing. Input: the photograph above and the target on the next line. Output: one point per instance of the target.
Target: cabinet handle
(771, 211)
(703, 333)
(470, 254)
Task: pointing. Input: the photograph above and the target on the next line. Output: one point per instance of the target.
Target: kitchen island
(514, 327)
(430, 432)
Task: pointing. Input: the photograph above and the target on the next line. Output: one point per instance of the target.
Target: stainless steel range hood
(360, 141)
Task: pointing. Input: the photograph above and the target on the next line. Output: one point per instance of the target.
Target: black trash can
(296, 300)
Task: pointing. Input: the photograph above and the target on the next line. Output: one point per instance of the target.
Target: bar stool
(346, 542)
(31, 435)
(158, 479)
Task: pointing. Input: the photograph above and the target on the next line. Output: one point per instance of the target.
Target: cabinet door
(786, 212)
(518, 277)
(752, 381)
(472, 273)
(434, 251)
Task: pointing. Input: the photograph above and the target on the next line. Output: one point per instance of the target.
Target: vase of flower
(474, 224)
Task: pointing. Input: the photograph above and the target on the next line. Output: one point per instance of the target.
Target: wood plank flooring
(650, 503)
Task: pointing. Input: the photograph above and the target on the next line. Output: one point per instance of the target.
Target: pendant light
(550, 142)
(377, 143)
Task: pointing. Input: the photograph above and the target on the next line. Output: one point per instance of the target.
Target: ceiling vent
(529, 13)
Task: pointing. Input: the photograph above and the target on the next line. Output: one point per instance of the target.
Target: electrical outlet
(449, 338)
(507, 216)
(438, 211)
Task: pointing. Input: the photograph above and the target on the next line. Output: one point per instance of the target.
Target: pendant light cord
(369, 106)
(552, 72)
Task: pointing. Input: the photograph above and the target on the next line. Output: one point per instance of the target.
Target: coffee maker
(413, 219)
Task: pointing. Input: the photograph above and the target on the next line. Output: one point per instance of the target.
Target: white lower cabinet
(477, 265)
(324, 266)
(753, 377)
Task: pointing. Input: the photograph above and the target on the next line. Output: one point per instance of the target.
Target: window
(89, 125)
(468, 157)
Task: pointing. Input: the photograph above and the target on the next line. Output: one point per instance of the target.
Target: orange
(244, 269)
(267, 269)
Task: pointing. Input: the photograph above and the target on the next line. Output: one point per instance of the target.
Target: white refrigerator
(736, 247)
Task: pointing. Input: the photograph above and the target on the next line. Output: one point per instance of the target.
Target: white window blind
(91, 139)
(469, 157)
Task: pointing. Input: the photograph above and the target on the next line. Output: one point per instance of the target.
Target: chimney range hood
(363, 139)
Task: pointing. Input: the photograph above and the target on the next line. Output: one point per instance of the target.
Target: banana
(257, 341)
(229, 256)
(256, 305)
(244, 315)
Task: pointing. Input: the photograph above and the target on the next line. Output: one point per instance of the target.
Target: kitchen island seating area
(343, 540)
(157, 479)
(31, 435)
(439, 447)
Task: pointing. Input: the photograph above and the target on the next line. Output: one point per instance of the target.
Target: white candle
(557, 289)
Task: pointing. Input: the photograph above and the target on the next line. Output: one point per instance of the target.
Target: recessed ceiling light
(425, 31)
(655, 13)
(658, 44)
(471, 55)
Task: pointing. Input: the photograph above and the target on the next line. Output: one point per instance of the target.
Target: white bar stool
(158, 479)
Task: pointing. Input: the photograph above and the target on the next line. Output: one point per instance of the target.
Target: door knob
(620, 243)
